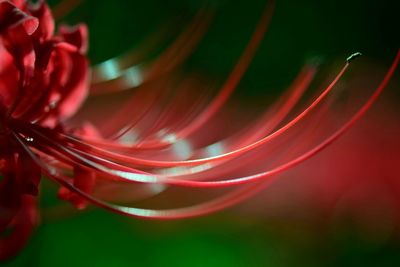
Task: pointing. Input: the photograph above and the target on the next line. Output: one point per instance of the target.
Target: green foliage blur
(300, 30)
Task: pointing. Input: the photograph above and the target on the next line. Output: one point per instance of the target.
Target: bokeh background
(285, 225)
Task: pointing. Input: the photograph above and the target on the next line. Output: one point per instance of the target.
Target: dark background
(300, 30)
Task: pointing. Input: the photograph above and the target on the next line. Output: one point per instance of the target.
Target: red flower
(44, 80)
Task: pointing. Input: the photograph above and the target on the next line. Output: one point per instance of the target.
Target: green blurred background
(299, 30)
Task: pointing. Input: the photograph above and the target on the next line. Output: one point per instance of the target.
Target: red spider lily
(44, 80)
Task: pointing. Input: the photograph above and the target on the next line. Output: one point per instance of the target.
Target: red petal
(11, 16)
(46, 22)
(8, 78)
(29, 174)
(9, 188)
(76, 89)
(77, 36)
(25, 221)
(15, 30)
(85, 180)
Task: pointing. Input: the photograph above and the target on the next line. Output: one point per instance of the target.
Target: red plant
(44, 80)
